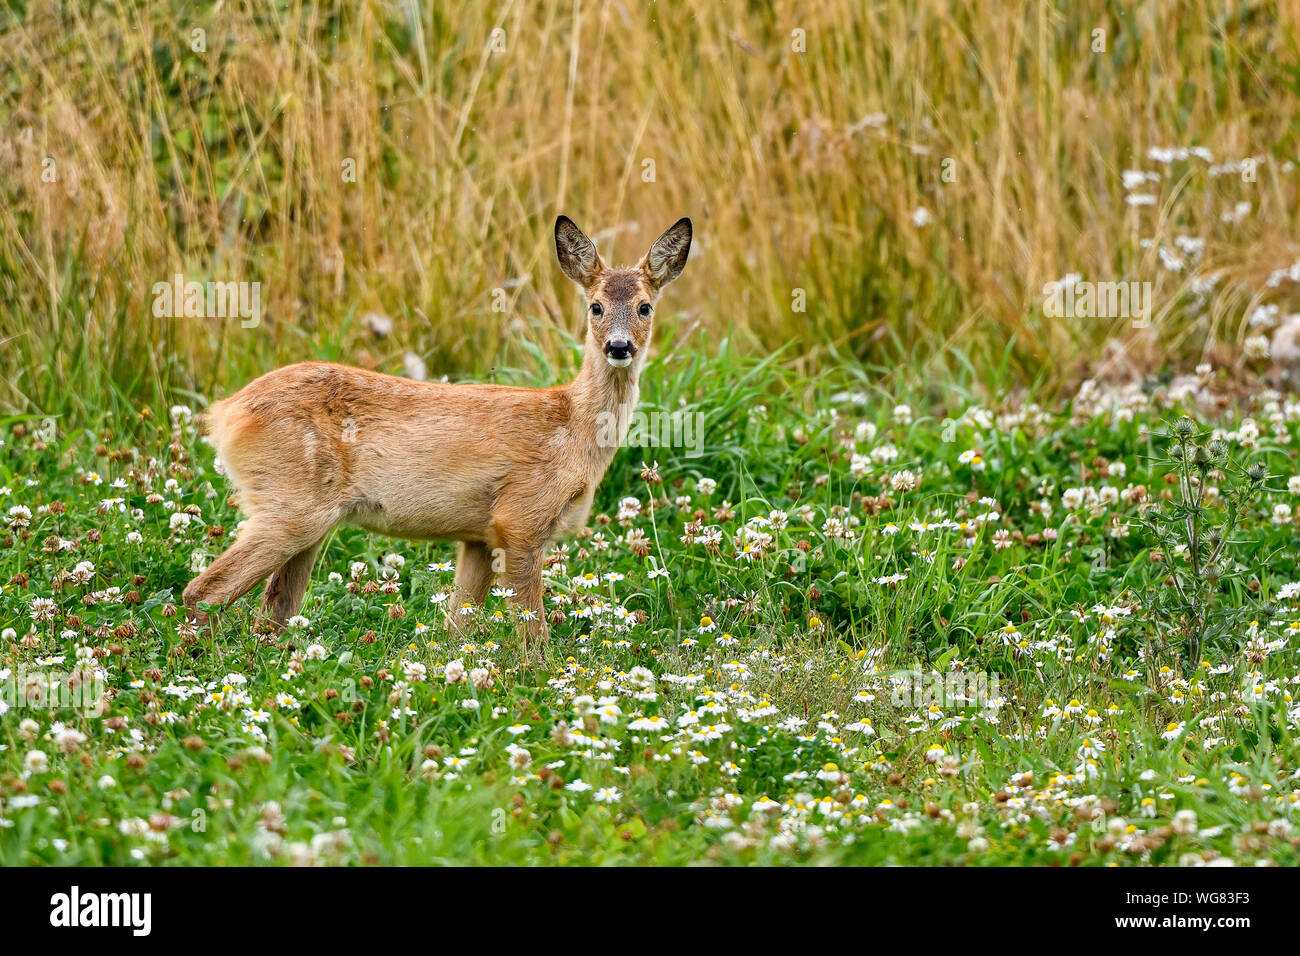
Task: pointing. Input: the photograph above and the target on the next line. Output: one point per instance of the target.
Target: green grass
(785, 656)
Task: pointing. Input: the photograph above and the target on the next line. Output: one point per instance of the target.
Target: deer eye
(596, 309)
(644, 310)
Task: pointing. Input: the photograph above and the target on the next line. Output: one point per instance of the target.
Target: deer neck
(604, 400)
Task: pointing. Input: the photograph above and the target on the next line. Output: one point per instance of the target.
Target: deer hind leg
(264, 545)
(287, 585)
(473, 579)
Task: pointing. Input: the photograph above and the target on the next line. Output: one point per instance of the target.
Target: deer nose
(620, 349)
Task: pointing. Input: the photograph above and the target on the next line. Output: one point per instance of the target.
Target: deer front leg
(523, 574)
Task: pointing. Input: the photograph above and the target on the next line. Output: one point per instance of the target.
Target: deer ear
(667, 257)
(578, 257)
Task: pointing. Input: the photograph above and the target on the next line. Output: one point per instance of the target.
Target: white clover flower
(44, 609)
(69, 739)
(1255, 348)
(905, 481)
(414, 671)
(36, 761)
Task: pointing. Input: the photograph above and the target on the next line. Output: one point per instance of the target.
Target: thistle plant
(1196, 559)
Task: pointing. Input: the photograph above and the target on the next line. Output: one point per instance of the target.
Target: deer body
(502, 470)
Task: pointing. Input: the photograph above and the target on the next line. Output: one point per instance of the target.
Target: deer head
(621, 302)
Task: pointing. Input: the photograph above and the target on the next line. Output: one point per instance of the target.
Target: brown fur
(502, 470)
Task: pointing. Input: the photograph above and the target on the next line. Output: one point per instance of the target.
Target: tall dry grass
(228, 164)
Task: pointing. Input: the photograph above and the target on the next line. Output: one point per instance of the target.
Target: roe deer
(502, 470)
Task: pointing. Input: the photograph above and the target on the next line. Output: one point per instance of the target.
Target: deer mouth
(623, 362)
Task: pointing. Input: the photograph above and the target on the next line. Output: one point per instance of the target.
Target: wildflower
(36, 761)
(414, 671)
(43, 609)
(649, 723)
(905, 481)
(1255, 348)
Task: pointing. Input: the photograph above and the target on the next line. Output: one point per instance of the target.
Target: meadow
(930, 573)
(845, 632)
